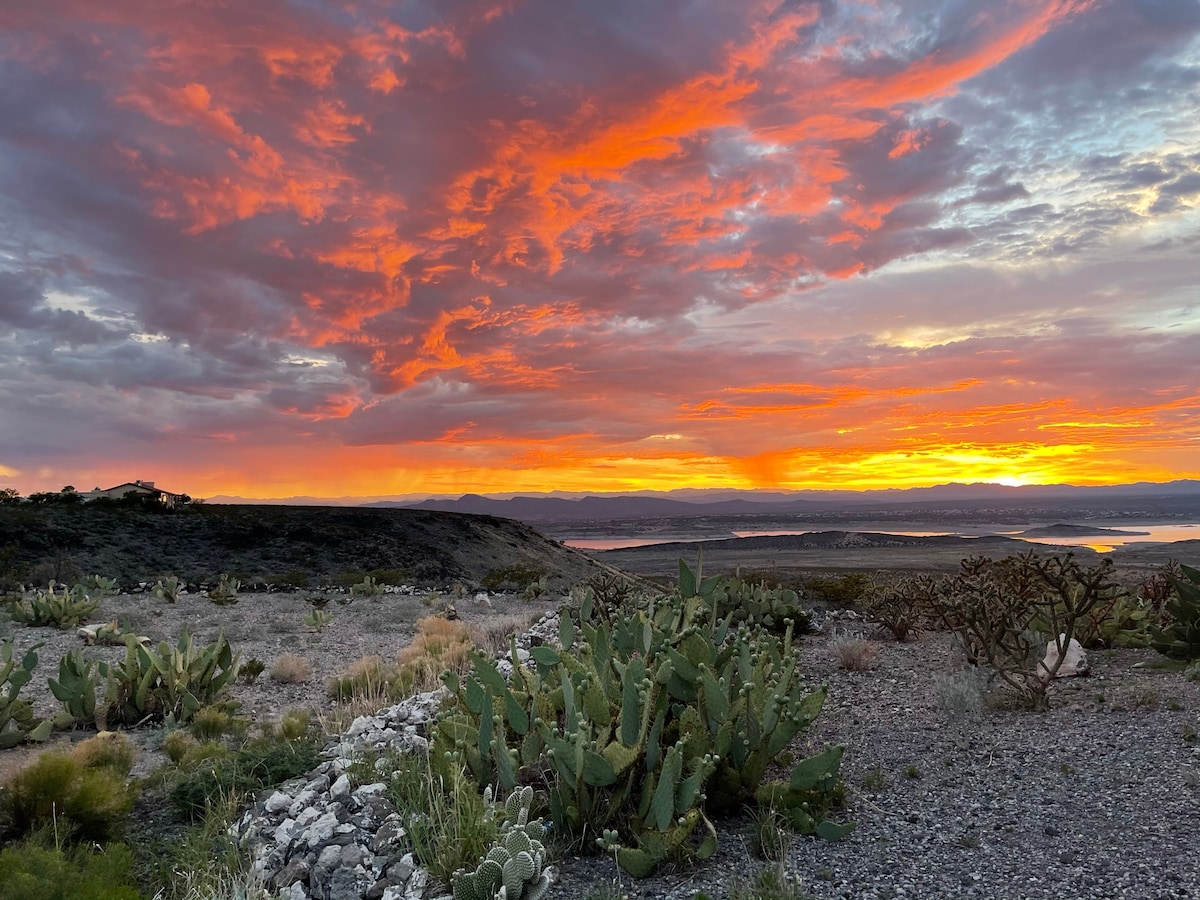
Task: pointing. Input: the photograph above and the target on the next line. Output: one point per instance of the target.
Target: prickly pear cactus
(514, 869)
(17, 721)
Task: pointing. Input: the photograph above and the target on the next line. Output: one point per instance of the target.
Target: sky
(366, 248)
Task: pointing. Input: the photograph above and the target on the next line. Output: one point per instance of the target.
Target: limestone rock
(1075, 661)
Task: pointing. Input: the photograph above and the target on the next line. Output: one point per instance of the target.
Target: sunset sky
(355, 247)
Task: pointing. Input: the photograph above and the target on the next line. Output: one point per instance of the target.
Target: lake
(1154, 533)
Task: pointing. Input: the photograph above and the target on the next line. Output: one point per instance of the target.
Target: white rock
(1075, 661)
(278, 802)
(417, 882)
(322, 829)
(307, 815)
(341, 788)
(283, 833)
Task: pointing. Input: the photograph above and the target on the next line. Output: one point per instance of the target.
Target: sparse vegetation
(226, 591)
(172, 682)
(290, 668)
(854, 654)
(1180, 638)
(17, 721)
(61, 609)
(1005, 611)
(594, 721)
(86, 803)
(37, 867)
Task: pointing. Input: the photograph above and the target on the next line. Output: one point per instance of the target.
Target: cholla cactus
(514, 869)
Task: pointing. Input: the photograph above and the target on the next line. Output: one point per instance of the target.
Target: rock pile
(318, 838)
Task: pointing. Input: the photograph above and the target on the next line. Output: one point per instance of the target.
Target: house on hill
(138, 488)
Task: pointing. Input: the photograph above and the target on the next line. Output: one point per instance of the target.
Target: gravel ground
(1097, 798)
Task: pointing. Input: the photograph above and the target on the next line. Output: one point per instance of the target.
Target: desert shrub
(1180, 638)
(177, 744)
(58, 791)
(170, 683)
(211, 723)
(294, 724)
(960, 695)
(769, 883)
(62, 609)
(901, 605)
(108, 750)
(1005, 611)
(290, 668)
(17, 721)
(35, 868)
(440, 645)
(512, 578)
(842, 590)
(254, 767)
(852, 653)
(770, 836)
(645, 724)
(367, 676)
(251, 669)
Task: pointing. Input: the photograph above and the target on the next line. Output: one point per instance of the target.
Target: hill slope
(265, 542)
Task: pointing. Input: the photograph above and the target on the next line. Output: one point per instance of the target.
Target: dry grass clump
(493, 636)
(440, 645)
(853, 653)
(290, 668)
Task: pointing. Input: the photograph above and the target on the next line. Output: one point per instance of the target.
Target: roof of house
(140, 485)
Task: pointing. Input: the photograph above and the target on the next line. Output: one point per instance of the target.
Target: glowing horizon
(486, 246)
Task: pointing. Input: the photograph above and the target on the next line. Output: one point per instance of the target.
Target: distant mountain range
(696, 503)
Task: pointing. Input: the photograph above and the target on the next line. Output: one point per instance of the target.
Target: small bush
(852, 653)
(290, 668)
(248, 770)
(33, 870)
(295, 723)
(440, 645)
(108, 750)
(211, 724)
(961, 695)
(842, 590)
(90, 804)
(250, 670)
(513, 578)
(365, 677)
(177, 744)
